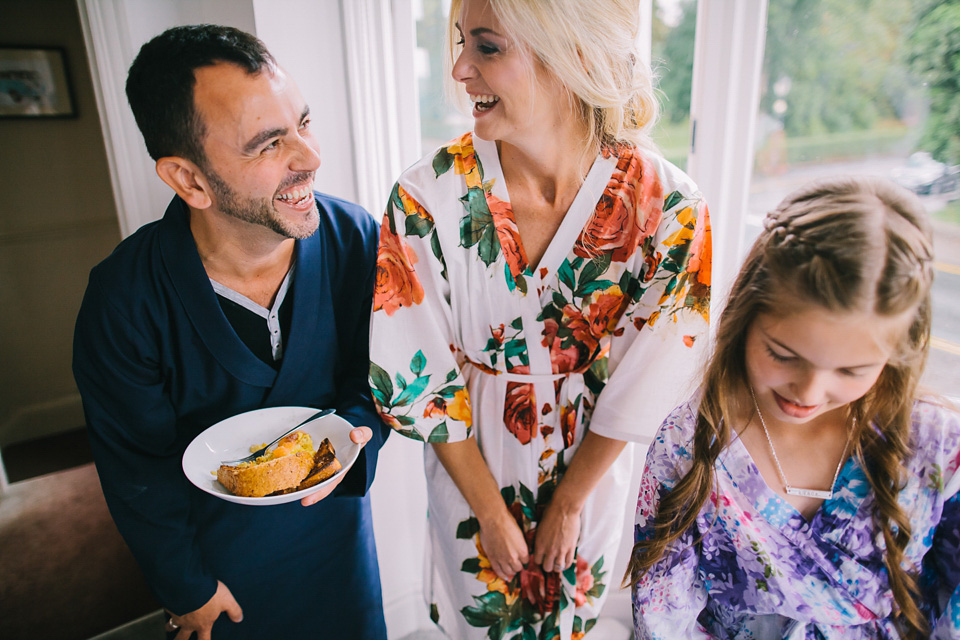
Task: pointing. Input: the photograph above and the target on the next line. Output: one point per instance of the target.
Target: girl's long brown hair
(845, 244)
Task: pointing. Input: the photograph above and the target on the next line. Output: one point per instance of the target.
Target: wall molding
(106, 30)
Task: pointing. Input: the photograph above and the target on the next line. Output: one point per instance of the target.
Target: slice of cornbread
(283, 468)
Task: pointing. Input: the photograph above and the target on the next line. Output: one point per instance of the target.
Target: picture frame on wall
(34, 83)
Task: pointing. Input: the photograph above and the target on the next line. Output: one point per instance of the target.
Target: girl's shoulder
(935, 419)
(676, 432)
(935, 438)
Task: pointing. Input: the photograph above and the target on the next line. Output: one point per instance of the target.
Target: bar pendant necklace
(796, 491)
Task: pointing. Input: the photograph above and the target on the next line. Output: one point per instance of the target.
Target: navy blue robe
(157, 362)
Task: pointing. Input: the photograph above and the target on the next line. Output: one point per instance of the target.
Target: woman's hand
(500, 535)
(557, 536)
(200, 621)
(558, 533)
(504, 545)
(361, 436)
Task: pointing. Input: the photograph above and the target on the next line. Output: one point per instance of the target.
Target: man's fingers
(234, 611)
(361, 435)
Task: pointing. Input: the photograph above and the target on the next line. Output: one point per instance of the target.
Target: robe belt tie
(531, 378)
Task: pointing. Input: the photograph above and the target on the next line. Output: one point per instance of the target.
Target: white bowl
(232, 438)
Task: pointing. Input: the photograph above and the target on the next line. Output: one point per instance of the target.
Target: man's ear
(186, 179)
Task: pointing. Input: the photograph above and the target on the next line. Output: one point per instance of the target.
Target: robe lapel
(310, 309)
(182, 263)
(815, 546)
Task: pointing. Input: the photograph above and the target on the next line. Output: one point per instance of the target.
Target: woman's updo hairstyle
(591, 47)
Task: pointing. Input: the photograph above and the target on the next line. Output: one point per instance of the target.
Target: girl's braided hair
(845, 245)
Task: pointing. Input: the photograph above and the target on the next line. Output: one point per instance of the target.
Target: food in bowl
(290, 466)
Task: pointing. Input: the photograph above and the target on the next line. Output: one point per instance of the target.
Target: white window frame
(727, 68)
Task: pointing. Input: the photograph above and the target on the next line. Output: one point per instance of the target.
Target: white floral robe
(469, 340)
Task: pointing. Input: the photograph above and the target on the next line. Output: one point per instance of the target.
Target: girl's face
(805, 364)
(514, 98)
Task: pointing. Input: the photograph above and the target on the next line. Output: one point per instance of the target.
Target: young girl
(807, 491)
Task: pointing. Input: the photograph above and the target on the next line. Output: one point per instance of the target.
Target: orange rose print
(489, 577)
(568, 424)
(540, 589)
(520, 411)
(436, 407)
(410, 206)
(508, 234)
(459, 407)
(651, 264)
(584, 581)
(568, 360)
(465, 160)
(598, 318)
(628, 212)
(397, 284)
(701, 249)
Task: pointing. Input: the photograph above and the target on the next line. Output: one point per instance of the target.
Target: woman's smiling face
(514, 98)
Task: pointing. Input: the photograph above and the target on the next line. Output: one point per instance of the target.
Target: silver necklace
(795, 491)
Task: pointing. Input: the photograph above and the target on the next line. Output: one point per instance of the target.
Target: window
(843, 91)
(843, 88)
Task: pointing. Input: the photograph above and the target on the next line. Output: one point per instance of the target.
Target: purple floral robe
(763, 571)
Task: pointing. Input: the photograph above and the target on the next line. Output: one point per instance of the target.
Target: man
(252, 291)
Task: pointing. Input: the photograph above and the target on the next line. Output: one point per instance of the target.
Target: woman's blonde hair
(591, 48)
(844, 244)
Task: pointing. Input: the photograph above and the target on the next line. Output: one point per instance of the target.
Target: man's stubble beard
(258, 211)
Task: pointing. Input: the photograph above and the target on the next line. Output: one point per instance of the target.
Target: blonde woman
(543, 286)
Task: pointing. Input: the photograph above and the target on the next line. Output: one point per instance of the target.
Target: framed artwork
(33, 83)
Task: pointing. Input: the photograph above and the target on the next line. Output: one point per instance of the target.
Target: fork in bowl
(259, 452)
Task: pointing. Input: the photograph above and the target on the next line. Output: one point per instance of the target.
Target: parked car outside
(925, 176)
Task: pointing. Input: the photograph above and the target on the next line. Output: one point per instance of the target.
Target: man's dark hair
(161, 80)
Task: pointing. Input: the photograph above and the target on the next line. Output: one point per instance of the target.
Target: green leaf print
(439, 433)
(549, 627)
(449, 391)
(527, 499)
(672, 200)
(406, 421)
(597, 285)
(417, 363)
(396, 202)
(677, 257)
(418, 226)
(434, 613)
(438, 253)
(400, 381)
(452, 374)
(489, 246)
(471, 565)
(412, 391)
(590, 624)
(413, 434)
(478, 218)
(566, 276)
(593, 270)
(468, 528)
(517, 324)
(528, 634)
(522, 284)
(382, 387)
(442, 162)
(509, 494)
(491, 608)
